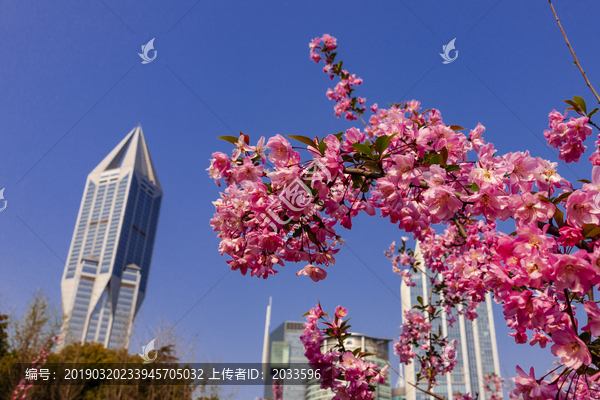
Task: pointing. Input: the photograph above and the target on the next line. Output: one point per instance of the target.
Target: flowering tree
(422, 174)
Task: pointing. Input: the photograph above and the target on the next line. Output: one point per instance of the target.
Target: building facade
(377, 346)
(476, 350)
(284, 348)
(106, 275)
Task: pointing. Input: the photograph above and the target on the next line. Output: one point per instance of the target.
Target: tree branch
(363, 172)
(573, 52)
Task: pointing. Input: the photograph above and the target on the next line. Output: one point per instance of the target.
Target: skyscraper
(285, 348)
(476, 350)
(106, 275)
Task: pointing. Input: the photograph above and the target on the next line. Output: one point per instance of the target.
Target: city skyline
(476, 349)
(106, 275)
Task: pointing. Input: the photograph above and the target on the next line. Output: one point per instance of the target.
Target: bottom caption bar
(173, 374)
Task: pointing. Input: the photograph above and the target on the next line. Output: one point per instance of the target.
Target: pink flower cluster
(420, 173)
(568, 137)
(346, 373)
(341, 94)
(38, 362)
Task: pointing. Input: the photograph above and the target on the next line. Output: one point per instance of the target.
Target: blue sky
(72, 86)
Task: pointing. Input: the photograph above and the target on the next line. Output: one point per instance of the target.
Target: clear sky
(72, 86)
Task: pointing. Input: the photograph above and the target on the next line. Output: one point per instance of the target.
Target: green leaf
(572, 103)
(305, 314)
(587, 228)
(593, 233)
(562, 197)
(594, 111)
(420, 300)
(339, 135)
(444, 154)
(306, 140)
(544, 199)
(382, 143)
(583, 181)
(559, 217)
(451, 168)
(437, 159)
(474, 187)
(372, 165)
(585, 336)
(230, 139)
(581, 103)
(361, 148)
(322, 147)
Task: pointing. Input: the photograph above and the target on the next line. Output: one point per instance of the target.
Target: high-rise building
(285, 348)
(377, 346)
(106, 275)
(476, 350)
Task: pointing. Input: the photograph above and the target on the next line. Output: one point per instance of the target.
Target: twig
(573, 52)
(570, 310)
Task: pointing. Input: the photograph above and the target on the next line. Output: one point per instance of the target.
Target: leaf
(322, 147)
(230, 139)
(559, 217)
(361, 148)
(451, 168)
(594, 111)
(305, 314)
(587, 228)
(382, 143)
(373, 166)
(581, 103)
(306, 140)
(455, 127)
(339, 135)
(593, 233)
(444, 154)
(311, 235)
(572, 103)
(562, 197)
(544, 199)
(420, 300)
(585, 336)
(583, 181)
(437, 159)
(474, 187)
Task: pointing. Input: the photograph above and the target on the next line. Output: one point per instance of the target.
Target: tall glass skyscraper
(105, 278)
(476, 350)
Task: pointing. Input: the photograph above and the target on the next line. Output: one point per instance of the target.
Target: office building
(476, 350)
(106, 274)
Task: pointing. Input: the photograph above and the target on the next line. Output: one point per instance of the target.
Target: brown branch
(570, 310)
(573, 52)
(461, 228)
(363, 172)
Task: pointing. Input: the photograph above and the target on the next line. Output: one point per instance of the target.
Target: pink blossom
(315, 273)
(569, 236)
(572, 351)
(593, 314)
(531, 389)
